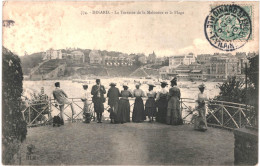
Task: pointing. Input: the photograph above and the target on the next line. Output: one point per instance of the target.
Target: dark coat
(94, 92)
(98, 101)
(113, 95)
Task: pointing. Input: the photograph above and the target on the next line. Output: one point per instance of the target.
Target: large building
(95, 57)
(223, 66)
(52, 54)
(121, 60)
(203, 58)
(174, 61)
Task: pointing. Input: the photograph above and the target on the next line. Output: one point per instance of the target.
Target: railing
(222, 114)
(219, 113)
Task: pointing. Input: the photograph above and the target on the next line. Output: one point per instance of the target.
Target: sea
(73, 88)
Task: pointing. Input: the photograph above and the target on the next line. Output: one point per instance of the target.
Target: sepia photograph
(130, 83)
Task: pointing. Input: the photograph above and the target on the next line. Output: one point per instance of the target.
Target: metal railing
(219, 113)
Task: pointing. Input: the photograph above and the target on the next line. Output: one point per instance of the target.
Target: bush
(14, 128)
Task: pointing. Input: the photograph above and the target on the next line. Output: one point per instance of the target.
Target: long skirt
(162, 105)
(200, 122)
(150, 107)
(173, 112)
(123, 111)
(113, 110)
(138, 112)
(98, 105)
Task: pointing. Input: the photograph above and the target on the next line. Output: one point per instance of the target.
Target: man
(61, 97)
(98, 99)
(113, 98)
(86, 99)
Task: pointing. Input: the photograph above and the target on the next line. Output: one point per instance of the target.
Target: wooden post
(29, 114)
(222, 114)
(239, 116)
(181, 108)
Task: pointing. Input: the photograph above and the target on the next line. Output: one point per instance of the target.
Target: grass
(128, 144)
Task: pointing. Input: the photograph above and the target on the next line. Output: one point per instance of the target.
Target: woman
(138, 112)
(173, 111)
(86, 98)
(123, 112)
(113, 98)
(162, 103)
(200, 115)
(150, 107)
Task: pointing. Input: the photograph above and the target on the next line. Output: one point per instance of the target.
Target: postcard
(130, 83)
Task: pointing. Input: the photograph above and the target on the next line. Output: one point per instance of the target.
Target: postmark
(228, 27)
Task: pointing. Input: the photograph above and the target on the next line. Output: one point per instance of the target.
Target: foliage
(253, 71)
(14, 128)
(232, 90)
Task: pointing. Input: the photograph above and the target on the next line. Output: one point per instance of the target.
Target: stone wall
(246, 146)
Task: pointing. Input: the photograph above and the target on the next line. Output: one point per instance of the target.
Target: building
(142, 58)
(164, 71)
(159, 61)
(95, 57)
(78, 56)
(203, 58)
(52, 54)
(121, 60)
(174, 61)
(223, 66)
(242, 61)
(151, 58)
(181, 71)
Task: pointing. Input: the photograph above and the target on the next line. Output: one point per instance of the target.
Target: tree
(14, 128)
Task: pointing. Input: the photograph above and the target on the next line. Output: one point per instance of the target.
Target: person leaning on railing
(61, 97)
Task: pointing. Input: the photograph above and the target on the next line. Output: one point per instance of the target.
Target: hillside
(30, 61)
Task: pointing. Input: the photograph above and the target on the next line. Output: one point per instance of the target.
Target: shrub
(14, 128)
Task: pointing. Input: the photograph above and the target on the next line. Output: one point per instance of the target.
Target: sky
(40, 26)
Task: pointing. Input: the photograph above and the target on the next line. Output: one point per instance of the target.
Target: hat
(151, 85)
(174, 79)
(202, 86)
(164, 82)
(112, 84)
(85, 86)
(97, 80)
(125, 84)
(137, 83)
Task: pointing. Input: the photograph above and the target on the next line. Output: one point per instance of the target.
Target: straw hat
(125, 84)
(138, 83)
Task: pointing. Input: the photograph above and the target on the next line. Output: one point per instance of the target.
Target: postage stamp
(228, 27)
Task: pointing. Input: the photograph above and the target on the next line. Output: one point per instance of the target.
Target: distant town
(79, 63)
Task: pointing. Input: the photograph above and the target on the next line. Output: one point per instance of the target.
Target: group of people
(162, 106)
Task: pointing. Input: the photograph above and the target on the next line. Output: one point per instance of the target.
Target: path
(131, 143)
